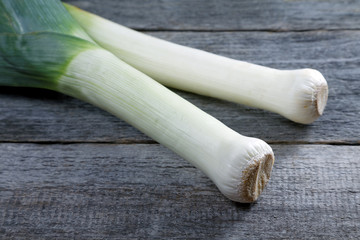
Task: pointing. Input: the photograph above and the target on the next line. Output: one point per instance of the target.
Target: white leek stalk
(62, 58)
(299, 95)
(238, 165)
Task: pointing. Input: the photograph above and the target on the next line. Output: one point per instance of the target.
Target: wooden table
(71, 171)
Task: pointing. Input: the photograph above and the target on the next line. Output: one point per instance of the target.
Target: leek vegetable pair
(87, 57)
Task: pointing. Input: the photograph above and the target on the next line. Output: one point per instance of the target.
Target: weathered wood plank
(228, 14)
(39, 115)
(109, 191)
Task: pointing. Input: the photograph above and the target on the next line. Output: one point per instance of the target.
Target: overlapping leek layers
(42, 46)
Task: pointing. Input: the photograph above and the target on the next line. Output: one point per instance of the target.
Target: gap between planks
(134, 142)
(271, 30)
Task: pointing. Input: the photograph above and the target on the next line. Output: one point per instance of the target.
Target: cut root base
(255, 177)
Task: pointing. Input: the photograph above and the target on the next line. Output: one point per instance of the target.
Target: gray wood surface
(44, 116)
(69, 170)
(89, 191)
(214, 15)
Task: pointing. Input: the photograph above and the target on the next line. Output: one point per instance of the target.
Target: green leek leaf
(37, 59)
(27, 16)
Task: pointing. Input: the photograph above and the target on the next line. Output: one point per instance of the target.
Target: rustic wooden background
(71, 171)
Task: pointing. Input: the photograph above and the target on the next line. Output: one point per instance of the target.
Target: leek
(42, 46)
(299, 95)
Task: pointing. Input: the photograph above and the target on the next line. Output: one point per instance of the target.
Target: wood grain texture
(223, 15)
(92, 187)
(29, 115)
(109, 191)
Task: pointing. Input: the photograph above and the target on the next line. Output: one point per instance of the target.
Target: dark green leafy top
(38, 39)
(27, 16)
